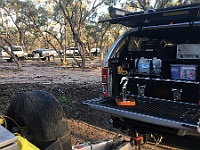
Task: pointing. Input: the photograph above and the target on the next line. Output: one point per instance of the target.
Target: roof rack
(154, 17)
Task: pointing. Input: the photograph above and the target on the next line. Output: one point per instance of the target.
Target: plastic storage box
(183, 72)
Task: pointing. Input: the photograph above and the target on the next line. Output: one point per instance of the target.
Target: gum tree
(10, 28)
(75, 14)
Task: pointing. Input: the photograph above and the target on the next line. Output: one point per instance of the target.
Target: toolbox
(8, 141)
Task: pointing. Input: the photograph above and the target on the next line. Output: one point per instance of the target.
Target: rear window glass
(72, 48)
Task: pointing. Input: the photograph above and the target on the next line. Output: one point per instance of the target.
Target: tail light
(199, 103)
(105, 81)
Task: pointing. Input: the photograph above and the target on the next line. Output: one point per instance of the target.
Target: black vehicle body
(159, 58)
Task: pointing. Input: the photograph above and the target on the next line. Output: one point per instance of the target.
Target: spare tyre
(44, 118)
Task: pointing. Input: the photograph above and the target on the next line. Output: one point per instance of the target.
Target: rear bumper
(183, 117)
(4, 57)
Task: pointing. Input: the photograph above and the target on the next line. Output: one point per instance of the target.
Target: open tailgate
(167, 113)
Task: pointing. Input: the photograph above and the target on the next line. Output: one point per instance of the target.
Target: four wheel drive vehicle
(72, 51)
(151, 74)
(45, 54)
(17, 50)
(95, 51)
(4, 55)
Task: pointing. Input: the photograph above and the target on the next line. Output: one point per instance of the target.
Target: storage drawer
(166, 89)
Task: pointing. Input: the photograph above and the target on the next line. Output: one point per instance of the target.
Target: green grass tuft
(64, 99)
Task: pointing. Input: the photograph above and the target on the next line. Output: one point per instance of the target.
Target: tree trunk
(19, 65)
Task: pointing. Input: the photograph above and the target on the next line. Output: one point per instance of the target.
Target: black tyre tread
(50, 58)
(41, 113)
(43, 59)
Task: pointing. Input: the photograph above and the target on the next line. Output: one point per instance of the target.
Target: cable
(5, 122)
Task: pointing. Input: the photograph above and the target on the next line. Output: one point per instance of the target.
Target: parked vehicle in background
(4, 55)
(95, 51)
(44, 54)
(72, 51)
(17, 51)
(31, 55)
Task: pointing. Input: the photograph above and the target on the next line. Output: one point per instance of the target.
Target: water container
(157, 63)
(143, 66)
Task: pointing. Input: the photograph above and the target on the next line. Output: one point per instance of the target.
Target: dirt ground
(71, 86)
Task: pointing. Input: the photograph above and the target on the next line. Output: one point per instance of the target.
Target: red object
(199, 103)
(139, 138)
(79, 147)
